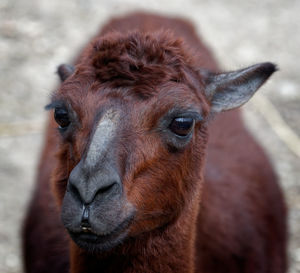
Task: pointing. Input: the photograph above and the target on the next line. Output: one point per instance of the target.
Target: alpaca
(147, 170)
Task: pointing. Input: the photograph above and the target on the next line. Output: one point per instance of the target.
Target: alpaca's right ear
(64, 71)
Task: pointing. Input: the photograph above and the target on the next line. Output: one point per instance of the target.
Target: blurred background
(37, 35)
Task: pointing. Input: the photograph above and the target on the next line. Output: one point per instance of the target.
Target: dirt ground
(37, 35)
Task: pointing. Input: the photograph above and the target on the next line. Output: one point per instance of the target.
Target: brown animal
(139, 185)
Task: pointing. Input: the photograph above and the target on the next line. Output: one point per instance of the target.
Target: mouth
(93, 242)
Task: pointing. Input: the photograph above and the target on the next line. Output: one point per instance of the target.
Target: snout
(87, 185)
(95, 211)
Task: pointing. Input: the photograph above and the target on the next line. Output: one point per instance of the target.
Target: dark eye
(61, 116)
(182, 126)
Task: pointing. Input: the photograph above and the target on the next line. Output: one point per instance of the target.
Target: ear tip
(64, 67)
(269, 68)
(64, 71)
(60, 67)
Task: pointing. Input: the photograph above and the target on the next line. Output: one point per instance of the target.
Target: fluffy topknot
(136, 59)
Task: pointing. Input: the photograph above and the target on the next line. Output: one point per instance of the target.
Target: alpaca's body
(241, 215)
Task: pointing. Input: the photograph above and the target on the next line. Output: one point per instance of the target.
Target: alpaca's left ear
(230, 90)
(64, 71)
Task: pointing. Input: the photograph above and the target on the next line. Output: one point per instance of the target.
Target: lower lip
(95, 243)
(86, 236)
(90, 238)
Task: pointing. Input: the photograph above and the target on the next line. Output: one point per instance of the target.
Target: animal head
(132, 119)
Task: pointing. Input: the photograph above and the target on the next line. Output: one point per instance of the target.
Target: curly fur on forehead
(139, 59)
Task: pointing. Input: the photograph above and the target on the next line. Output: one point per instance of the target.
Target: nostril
(105, 189)
(75, 192)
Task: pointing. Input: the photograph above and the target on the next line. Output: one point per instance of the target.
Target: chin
(94, 243)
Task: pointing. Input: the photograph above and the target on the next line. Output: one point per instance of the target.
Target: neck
(167, 250)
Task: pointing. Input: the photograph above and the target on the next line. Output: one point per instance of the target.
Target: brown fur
(240, 223)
